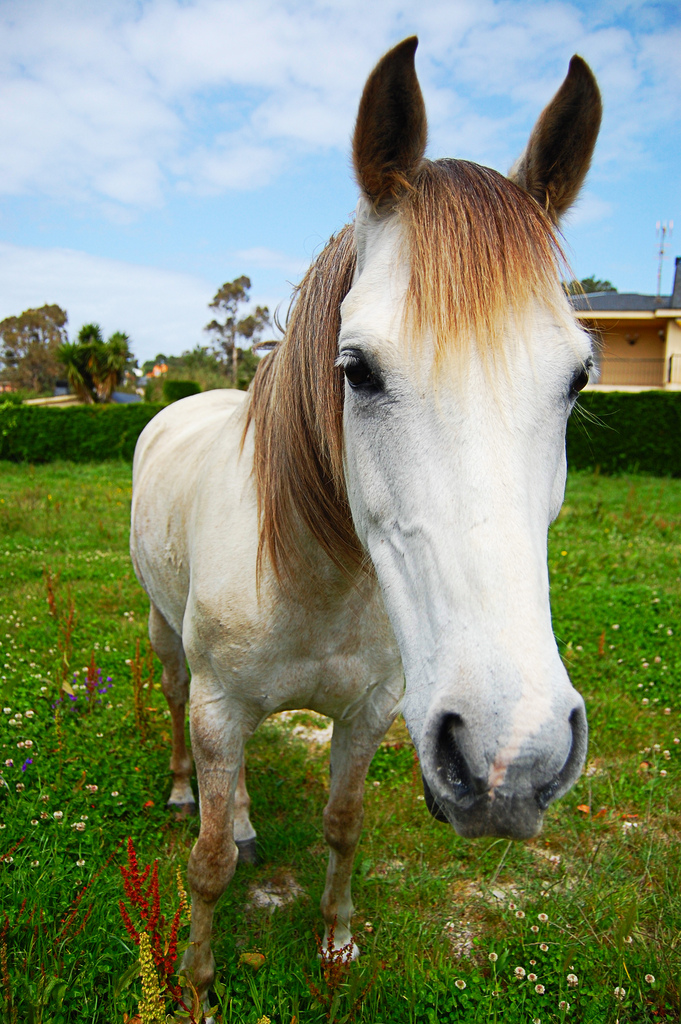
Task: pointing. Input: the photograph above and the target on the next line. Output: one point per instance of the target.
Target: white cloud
(589, 209)
(161, 310)
(119, 102)
(271, 259)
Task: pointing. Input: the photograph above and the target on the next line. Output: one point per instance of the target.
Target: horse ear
(391, 129)
(554, 165)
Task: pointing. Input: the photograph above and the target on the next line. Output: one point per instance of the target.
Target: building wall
(674, 350)
(615, 335)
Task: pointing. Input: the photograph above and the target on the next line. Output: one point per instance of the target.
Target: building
(638, 338)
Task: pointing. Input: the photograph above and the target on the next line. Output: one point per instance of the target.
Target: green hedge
(618, 432)
(631, 432)
(83, 433)
(174, 390)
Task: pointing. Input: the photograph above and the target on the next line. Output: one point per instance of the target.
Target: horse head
(462, 363)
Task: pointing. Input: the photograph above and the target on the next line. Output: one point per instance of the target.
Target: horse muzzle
(479, 798)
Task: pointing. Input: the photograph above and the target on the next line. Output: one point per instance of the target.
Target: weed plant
(580, 924)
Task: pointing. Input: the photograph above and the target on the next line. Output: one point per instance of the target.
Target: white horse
(365, 532)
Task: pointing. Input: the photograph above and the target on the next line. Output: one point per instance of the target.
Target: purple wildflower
(29, 760)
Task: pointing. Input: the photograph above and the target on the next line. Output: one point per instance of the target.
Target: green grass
(431, 907)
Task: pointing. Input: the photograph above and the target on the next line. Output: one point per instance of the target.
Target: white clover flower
(572, 979)
(543, 947)
(20, 787)
(8, 711)
(58, 815)
(114, 792)
(460, 983)
(543, 918)
(91, 788)
(80, 863)
(562, 1005)
(79, 826)
(519, 972)
(534, 928)
(539, 989)
(35, 863)
(531, 977)
(493, 957)
(9, 763)
(650, 978)
(620, 993)
(34, 821)
(30, 714)
(520, 914)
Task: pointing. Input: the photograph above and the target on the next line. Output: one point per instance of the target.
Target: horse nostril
(573, 765)
(450, 764)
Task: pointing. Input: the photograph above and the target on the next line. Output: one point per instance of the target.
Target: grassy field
(582, 924)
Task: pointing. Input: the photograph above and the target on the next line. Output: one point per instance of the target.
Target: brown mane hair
(480, 249)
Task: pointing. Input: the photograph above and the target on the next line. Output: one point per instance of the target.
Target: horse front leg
(217, 744)
(352, 747)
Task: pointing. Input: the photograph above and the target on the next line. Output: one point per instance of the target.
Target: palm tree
(94, 367)
(76, 360)
(116, 356)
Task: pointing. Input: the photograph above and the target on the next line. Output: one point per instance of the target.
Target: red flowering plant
(160, 940)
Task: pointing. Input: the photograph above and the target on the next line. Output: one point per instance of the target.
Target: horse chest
(287, 656)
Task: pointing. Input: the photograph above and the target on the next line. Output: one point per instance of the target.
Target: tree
(230, 327)
(93, 366)
(589, 285)
(29, 344)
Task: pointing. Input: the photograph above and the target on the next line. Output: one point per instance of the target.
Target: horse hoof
(186, 810)
(247, 851)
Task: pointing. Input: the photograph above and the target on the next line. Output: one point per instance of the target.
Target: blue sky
(153, 149)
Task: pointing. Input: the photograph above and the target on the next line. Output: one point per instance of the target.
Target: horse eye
(580, 380)
(358, 373)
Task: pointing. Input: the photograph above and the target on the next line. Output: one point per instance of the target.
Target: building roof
(625, 301)
(630, 302)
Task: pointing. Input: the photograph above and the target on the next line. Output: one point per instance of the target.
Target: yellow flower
(264, 1020)
(151, 1004)
(185, 907)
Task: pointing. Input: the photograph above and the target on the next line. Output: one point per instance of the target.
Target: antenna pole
(663, 231)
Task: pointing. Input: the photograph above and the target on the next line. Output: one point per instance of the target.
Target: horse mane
(480, 249)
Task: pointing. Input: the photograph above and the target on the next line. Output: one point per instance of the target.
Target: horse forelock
(480, 250)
